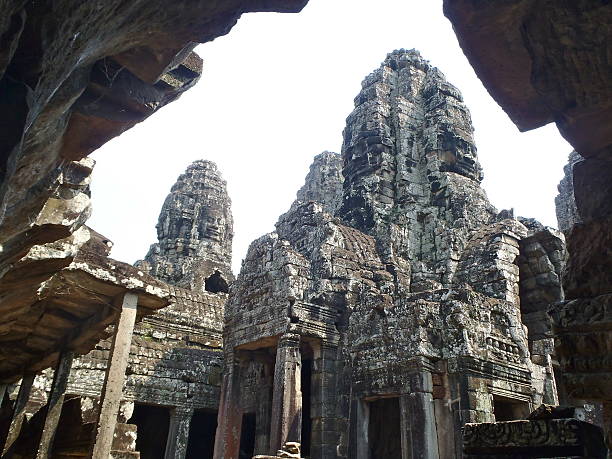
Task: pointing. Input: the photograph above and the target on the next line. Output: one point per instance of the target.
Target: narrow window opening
(216, 284)
(508, 409)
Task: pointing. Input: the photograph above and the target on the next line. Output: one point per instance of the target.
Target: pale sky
(274, 93)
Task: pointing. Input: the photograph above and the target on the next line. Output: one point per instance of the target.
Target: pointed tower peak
(194, 231)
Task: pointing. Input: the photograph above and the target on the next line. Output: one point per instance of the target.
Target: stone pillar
(178, 433)
(418, 418)
(229, 419)
(264, 409)
(286, 422)
(360, 421)
(551, 394)
(324, 401)
(18, 412)
(405, 428)
(54, 404)
(112, 390)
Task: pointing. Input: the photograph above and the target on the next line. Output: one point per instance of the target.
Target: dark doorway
(247, 436)
(384, 436)
(306, 381)
(153, 423)
(202, 430)
(216, 284)
(509, 409)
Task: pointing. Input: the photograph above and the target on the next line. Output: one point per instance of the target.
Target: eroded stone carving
(563, 437)
(409, 291)
(175, 359)
(195, 231)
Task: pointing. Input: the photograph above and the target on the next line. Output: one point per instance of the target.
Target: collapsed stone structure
(389, 309)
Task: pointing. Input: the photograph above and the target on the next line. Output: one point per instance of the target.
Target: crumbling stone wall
(175, 359)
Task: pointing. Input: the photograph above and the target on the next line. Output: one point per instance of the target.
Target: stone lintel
(534, 438)
(479, 368)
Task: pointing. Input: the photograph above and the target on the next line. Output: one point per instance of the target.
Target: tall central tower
(389, 306)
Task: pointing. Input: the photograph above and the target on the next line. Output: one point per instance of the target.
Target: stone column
(324, 395)
(178, 433)
(360, 421)
(112, 390)
(229, 419)
(418, 418)
(55, 403)
(18, 412)
(406, 426)
(607, 424)
(264, 409)
(286, 422)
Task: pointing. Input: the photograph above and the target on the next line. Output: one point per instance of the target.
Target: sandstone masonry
(379, 326)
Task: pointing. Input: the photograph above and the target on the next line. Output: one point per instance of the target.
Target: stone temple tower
(393, 303)
(194, 231)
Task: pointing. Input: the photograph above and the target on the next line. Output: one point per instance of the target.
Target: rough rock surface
(195, 232)
(410, 292)
(76, 74)
(324, 181)
(544, 61)
(565, 201)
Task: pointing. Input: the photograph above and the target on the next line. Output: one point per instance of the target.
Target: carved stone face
(194, 228)
(212, 226)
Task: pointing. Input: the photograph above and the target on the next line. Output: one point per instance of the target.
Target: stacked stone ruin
(393, 303)
(76, 74)
(175, 362)
(392, 306)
